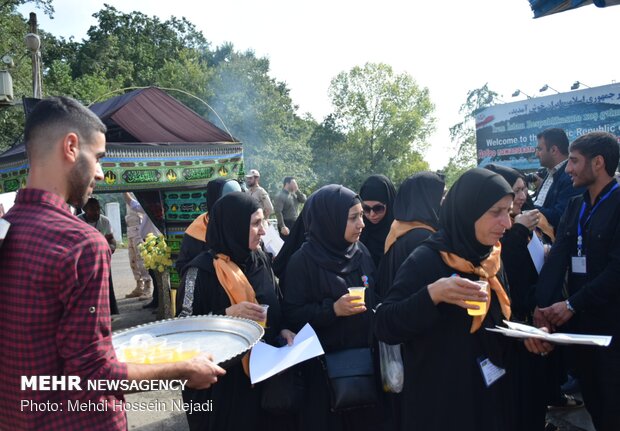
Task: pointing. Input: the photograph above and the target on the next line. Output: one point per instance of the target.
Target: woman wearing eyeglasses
(377, 195)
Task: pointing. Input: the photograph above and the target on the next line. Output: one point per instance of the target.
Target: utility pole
(33, 42)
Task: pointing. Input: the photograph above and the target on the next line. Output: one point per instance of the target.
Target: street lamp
(518, 92)
(576, 85)
(33, 43)
(547, 87)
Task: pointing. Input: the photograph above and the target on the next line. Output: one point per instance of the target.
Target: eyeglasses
(377, 209)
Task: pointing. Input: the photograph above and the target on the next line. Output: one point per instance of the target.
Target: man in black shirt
(588, 247)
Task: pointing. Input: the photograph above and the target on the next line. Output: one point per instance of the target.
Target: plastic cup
(134, 354)
(263, 322)
(188, 350)
(484, 286)
(174, 347)
(161, 357)
(157, 345)
(358, 291)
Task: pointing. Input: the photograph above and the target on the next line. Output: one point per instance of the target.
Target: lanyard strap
(583, 209)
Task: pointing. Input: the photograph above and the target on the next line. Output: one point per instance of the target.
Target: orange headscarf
(237, 287)
(198, 228)
(486, 271)
(399, 228)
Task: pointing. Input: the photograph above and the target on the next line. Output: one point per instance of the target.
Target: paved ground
(166, 417)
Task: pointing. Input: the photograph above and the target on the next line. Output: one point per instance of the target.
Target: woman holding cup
(448, 354)
(330, 261)
(232, 278)
(538, 378)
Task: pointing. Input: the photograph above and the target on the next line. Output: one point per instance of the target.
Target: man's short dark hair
(287, 180)
(555, 137)
(92, 202)
(601, 144)
(54, 117)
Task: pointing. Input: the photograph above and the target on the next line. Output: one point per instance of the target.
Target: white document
(4, 229)
(537, 252)
(267, 361)
(519, 330)
(271, 239)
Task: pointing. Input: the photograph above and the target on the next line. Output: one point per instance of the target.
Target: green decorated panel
(133, 167)
(125, 168)
(13, 176)
(184, 205)
(174, 238)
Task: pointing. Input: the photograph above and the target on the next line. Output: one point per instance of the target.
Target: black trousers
(599, 376)
(113, 304)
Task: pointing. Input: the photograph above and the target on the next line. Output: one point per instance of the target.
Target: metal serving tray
(225, 337)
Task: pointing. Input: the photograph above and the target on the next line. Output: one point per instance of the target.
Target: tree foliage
(258, 111)
(380, 124)
(464, 133)
(386, 119)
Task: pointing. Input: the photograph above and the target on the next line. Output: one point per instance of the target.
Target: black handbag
(351, 379)
(283, 393)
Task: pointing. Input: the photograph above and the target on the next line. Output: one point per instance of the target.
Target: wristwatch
(569, 307)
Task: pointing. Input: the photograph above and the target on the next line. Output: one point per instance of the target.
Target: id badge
(578, 264)
(490, 372)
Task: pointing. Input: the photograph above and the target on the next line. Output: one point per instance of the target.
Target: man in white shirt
(92, 215)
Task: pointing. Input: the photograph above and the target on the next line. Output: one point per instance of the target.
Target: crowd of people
(437, 268)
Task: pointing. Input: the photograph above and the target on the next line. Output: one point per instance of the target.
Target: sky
(449, 46)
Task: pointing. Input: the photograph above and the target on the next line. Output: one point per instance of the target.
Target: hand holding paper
(267, 361)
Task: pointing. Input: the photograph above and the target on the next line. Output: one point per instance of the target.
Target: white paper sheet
(537, 252)
(271, 239)
(266, 360)
(519, 330)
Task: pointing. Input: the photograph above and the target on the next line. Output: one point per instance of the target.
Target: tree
(464, 133)
(259, 112)
(14, 28)
(386, 118)
(329, 152)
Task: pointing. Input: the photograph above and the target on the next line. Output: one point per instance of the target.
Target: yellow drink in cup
(160, 357)
(357, 291)
(188, 350)
(263, 323)
(484, 286)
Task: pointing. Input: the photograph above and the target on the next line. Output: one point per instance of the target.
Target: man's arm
(266, 203)
(551, 279)
(301, 198)
(278, 207)
(565, 192)
(200, 372)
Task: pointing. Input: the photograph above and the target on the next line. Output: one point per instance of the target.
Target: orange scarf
(399, 228)
(198, 228)
(545, 227)
(486, 271)
(237, 287)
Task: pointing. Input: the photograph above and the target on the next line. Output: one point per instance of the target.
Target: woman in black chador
(450, 383)
(318, 276)
(231, 279)
(416, 217)
(377, 194)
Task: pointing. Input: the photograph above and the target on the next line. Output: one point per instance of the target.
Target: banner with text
(506, 134)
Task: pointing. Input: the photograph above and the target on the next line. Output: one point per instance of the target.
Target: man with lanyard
(588, 247)
(556, 188)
